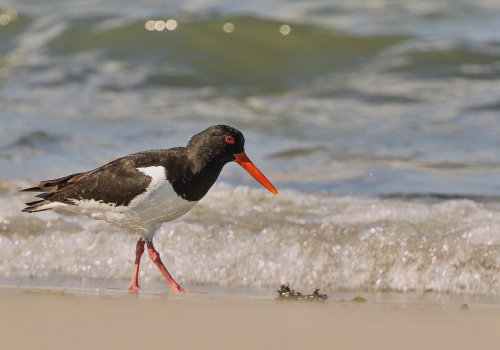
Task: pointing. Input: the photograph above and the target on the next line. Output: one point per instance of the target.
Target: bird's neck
(196, 176)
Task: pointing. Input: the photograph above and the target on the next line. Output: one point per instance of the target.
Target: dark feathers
(191, 171)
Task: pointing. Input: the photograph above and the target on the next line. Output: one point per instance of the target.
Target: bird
(140, 191)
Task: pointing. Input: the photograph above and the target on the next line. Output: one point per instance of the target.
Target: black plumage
(191, 171)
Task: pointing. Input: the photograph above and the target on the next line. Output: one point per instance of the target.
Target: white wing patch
(53, 205)
(93, 205)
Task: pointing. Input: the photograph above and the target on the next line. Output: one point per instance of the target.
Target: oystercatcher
(140, 191)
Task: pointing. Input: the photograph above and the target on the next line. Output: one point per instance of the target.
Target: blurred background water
(378, 121)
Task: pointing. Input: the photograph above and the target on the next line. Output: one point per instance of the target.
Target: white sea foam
(242, 237)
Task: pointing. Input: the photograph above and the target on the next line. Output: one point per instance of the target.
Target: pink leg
(139, 249)
(174, 286)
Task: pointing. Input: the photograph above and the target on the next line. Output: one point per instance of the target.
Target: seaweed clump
(285, 293)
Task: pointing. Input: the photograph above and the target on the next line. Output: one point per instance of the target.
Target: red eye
(230, 140)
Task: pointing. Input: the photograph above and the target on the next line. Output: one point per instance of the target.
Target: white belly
(158, 204)
(161, 205)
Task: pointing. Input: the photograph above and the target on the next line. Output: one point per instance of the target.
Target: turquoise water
(345, 105)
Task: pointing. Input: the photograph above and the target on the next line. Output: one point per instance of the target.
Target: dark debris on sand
(285, 293)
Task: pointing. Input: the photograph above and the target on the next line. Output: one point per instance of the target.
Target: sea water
(377, 122)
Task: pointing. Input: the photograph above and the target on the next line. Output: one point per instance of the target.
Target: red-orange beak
(242, 159)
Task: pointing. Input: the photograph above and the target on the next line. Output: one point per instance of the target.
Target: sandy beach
(35, 318)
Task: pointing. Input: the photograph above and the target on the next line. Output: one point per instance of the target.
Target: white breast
(159, 203)
(158, 180)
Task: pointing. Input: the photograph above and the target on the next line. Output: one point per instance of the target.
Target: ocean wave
(243, 237)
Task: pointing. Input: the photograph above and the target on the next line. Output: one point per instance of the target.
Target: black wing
(117, 182)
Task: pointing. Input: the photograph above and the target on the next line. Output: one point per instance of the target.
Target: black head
(221, 144)
(218, 142)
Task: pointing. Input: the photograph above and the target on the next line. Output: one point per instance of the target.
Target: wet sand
(86, 319)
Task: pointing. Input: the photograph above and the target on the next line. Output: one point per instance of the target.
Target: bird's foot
(178, 289)
(133, 287)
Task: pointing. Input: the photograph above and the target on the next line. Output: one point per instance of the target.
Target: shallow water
(243, 237)
(377, 122)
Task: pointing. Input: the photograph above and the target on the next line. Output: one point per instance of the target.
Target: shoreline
(78, 318)
(151, 288)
